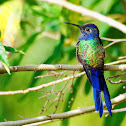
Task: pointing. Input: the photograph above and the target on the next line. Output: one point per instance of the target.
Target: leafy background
(38, 18)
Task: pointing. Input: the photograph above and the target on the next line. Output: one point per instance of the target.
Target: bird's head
(88, 30)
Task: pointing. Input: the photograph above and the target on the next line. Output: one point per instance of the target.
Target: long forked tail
(106, 95)
(99, 85)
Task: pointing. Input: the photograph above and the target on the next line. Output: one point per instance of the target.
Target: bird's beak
(79, 26)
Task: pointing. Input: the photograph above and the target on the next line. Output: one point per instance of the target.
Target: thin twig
(113, 43)
(50, 93)
(117, 82)
(110, 39)
(115, 76)
(115, 110)
(53, 73)
(116, 62)
(122, 57)
(118, 75)
(40, 123)
(72, 92)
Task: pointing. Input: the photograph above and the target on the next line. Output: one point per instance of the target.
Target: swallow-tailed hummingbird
(90, 53)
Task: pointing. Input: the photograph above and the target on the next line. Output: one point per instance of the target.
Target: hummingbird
(90, 53)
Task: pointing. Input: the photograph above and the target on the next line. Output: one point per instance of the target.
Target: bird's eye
(88, 29)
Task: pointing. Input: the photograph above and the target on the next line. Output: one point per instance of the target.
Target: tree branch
(94, 14)
(48, 121)
(64, 115)
(110, 39)
(117, 82)
(116, 110)
(40, 86)
(115, 76)
(114, 41)
(107, 67)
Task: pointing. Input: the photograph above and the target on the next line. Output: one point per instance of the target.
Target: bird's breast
(91, 53)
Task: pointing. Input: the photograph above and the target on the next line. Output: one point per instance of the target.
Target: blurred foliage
(10, 15)
(45, 38)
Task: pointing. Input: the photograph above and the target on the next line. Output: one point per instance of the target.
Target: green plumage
(91, 52)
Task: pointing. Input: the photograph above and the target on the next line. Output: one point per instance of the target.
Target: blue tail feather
(106, 95)
(107, 99)
(99, 85)
(98, 101)
(101, 108)
(95, 80)
(96, 95)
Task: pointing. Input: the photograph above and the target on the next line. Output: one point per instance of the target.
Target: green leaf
(13, 50)
(6, 67)
(4, 58)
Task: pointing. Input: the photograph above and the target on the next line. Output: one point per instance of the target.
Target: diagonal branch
(94, 14)
(110, 39)
(114, 41)
(64, 115)
(40, 86)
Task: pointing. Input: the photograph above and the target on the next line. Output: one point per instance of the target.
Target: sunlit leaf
(10, 15)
